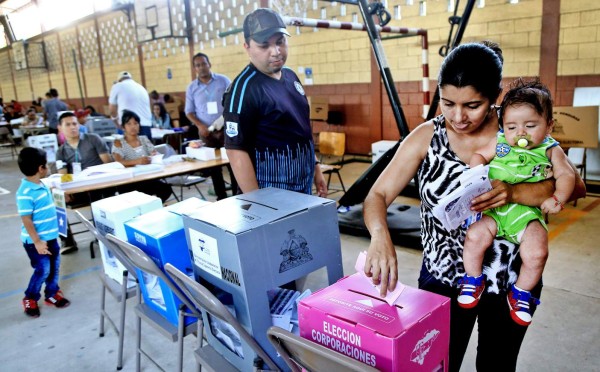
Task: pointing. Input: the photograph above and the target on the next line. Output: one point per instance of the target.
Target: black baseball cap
(263, 23)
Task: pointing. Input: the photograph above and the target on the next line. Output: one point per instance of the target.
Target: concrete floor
(565, 335)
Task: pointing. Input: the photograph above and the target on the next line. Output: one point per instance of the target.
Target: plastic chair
(301, 354)
(203, 299)
(120, 292)
(186, 180)
(7, 141)
(332, 146)
(142, 262)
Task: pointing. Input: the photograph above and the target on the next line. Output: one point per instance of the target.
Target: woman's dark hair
(163, 111)
(30, 159)
(532, 93)
(127, 115)
(476, 65)
(91, 109)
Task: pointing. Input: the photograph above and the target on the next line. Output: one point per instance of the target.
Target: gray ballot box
(249, 244)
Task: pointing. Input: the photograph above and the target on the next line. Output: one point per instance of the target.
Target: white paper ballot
(455, 208)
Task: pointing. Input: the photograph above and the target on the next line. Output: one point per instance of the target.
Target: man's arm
(105, 158)
(40, 245)
(114, 112)
(202, 129)
(243, 170)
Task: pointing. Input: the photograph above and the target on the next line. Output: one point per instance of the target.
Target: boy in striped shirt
(39, 232)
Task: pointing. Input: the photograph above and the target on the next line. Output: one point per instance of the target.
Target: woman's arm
(532, 194)
(381, 263)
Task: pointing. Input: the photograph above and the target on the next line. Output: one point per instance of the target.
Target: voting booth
(412, 334)
(46, 142)
(247, 245)
(110, 215)
(161, 236)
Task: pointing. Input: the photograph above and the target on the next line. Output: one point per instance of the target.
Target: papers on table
(96, 174)
(284, 307)
(455, 208)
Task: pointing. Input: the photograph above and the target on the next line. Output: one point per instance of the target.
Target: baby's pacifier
(522, 142)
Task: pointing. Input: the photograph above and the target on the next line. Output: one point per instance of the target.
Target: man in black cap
(268, 135)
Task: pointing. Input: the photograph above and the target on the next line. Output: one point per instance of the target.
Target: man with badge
(203, 106)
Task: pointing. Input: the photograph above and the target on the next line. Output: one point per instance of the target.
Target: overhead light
(422, 8)
(513, 1)
(480, 3)
(450, 5)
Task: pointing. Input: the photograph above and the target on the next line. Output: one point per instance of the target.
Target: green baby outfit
(515, 165)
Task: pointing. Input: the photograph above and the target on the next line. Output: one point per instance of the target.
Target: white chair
(204, 300)
(121, 293)
(186, 180)
(7, 141)
(141, 261)
(301, 354)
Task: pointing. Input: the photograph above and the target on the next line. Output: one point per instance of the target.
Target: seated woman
(134, 150)
(160, 117)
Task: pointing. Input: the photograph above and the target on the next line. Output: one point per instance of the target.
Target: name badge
(76, 168)
(212, 108)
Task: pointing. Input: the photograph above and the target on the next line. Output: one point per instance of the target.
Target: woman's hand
(500, 194)
(144, 160)
(381, 264)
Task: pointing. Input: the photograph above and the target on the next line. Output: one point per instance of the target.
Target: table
(33, 130)
(158, 134)
(169, 170)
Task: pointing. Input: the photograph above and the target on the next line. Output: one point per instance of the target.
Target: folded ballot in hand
(455, 208)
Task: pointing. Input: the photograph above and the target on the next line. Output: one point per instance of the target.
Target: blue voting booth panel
(160, 234)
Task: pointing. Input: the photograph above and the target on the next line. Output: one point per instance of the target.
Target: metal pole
(78, 78)
(462, 25)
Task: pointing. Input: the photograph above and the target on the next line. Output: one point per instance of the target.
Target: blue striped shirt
(36, 200)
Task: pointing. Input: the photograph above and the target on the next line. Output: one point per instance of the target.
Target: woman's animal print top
(442, 250)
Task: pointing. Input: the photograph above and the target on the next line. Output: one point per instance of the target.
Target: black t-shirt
(269, 119)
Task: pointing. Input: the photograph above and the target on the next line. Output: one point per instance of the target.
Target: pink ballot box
(350, 318)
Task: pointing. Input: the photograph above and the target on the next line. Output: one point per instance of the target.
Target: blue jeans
(45, 270)
(499, 337)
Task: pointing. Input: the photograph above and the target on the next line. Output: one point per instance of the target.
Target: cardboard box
(350, 318)
(160, 234)
(201, 153)
(319, 107)
(248, 244)
(380, 147)
(46, 142)
(576, 126)
(110, 215)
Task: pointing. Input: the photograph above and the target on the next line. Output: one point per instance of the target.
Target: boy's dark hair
(53, 92)
(127, 115)
(67, 114)
(30, 159)
(532, 93)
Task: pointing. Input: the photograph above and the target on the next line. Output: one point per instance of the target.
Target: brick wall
(341, 61)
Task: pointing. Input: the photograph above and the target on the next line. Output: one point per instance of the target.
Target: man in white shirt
(127, 94)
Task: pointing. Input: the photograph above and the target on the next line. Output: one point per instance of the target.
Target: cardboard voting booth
(46, 142)
(350, 318)
(161, 236)
(110, 215)
(576, 126)
(249, 244)
(381, 147)
(319, 107)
